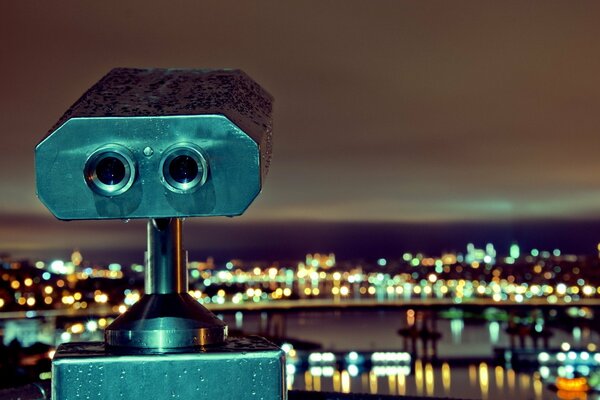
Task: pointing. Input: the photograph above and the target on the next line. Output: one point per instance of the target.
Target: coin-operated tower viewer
(162, 144)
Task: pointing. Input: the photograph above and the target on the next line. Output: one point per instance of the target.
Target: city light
(479, 276)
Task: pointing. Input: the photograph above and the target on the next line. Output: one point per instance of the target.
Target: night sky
(398, 124)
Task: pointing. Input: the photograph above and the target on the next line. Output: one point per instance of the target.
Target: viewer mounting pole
(166, 263)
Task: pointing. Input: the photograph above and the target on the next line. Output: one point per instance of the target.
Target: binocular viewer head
(158, 143)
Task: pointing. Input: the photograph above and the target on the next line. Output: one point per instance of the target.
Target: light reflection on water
(464, 368)
(488, 382)
(477, 378)
(457, 326)
(378, 330)
(494, 328)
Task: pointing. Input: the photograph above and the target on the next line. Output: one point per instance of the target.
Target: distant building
(28, 331)
(475, 255)
(76, 258)
(515, 251)
(317, 260)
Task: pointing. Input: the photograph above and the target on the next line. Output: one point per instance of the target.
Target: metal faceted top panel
(134, 92)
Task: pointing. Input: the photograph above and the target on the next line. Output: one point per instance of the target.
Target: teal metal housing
(142, 118)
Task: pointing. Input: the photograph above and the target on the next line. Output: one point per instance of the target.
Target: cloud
(403, 112)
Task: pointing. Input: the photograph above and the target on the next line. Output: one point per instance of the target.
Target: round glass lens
(110, 170)
(183, 169)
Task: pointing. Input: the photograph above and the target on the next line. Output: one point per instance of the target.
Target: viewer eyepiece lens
(184, 168)
(110, 171)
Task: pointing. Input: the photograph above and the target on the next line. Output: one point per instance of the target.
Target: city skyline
(108, 241)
